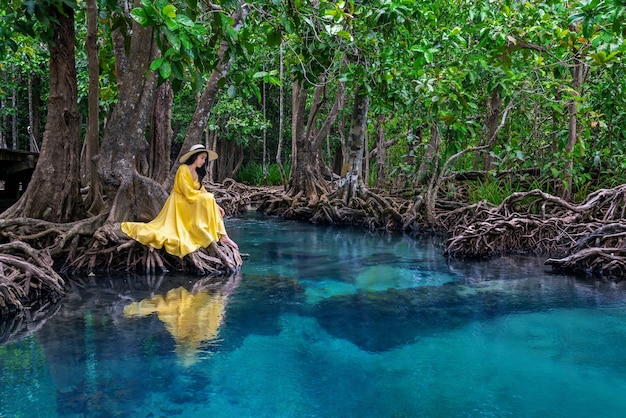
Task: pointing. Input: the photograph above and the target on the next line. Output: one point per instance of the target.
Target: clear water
(327, 322)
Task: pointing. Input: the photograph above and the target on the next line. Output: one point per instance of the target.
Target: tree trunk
(230, 161)
(94, 200)
(381, 154)
(4, 143)
(572, 136)
(306, 178)
(352, 183)
(124, 149)
(281, 120)
(264, 137)
(14, 104)
(430, 198)
(53, 192)
(161, 134)
(36, 108)
(432, 153)
(31, 146)
(494, 106)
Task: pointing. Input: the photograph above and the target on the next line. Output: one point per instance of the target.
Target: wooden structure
(16, 169)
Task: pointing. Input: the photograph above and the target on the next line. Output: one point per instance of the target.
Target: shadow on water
(379, 321)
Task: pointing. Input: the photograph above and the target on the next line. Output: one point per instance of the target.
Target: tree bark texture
(353, 182)
(230, 160)
(123, 140)
(122, 162)
(381, 155)
(53, 192)
(94, 200)
(161, 134)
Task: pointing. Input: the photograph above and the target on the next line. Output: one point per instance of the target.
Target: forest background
(380, 112)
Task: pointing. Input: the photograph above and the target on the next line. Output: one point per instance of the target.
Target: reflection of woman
(190, 218)
(191, 318)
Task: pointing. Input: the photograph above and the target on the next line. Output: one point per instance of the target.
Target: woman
(190, 218)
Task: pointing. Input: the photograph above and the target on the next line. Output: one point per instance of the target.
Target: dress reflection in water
(191, 318)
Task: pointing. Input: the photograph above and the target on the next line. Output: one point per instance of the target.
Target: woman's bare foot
(225, 239)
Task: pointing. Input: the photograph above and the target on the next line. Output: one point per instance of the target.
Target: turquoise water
(326, 322)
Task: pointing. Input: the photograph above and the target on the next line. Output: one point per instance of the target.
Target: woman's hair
(200, 170)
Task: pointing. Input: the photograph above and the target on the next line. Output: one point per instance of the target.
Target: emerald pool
(325, 322)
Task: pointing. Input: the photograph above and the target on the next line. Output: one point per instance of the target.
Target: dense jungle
(496, 123)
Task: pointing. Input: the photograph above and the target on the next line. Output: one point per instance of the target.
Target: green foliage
(423, 64)
(187, 42)
(252, 174)
(236, 120)
(492, 191)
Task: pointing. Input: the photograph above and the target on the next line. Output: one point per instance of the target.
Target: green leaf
(140, 16)
(274, 37)
(165, 70)
(184, 39)
(156, 64)
(173, 39)
(169, 11)
(184, 20)
(273, 80)
(346, 35)
(555, 172)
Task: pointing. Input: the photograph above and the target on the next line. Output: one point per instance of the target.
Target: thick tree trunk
(230, 160)
(53, 192)
(353, 182)
(124, 149)
(160, 134)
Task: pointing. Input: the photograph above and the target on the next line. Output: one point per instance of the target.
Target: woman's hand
(221, 210)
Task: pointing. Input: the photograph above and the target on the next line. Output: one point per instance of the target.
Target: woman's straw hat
(196, 149)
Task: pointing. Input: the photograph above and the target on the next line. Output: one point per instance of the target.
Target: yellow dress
(190, 219)
(191, 318)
